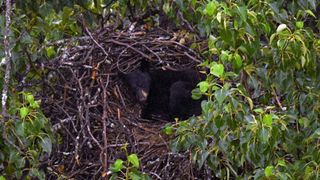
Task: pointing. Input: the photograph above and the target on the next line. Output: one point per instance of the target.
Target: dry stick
(104, 135)
(104, 51)
(8, 56)
(129, 46)
(183, 46)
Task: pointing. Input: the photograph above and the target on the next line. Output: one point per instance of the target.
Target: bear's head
(139, 82)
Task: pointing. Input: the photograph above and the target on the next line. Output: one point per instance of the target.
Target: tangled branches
(95, 115)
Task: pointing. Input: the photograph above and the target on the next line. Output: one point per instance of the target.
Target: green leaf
(237, 63)
(24, 111)
(282, 163)
(217, 70)
(316, 134)
(243, 13)
(308, 171)
(50, 51)
(266, 28)
(37, 173)
(134, 160)
(134, 175)
(258, 110)
(220, 95)
(30, 98)
(202, 158)
(26, 39)
(211, 8)
(299, 24)
(264, 135)
(20, 128)
(168, 129)
(117, 166)
(2, 178)
(281, 43)
(196, 94)
(224, 57)
(211, 42)
(35, 104)
(308, 11)
(203, 86)
(267, 120)
(268, 171)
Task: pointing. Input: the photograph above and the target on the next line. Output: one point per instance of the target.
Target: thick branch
(7, 59)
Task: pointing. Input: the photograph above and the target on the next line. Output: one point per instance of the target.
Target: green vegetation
(26, 138)
(261, 116)
(129, 168)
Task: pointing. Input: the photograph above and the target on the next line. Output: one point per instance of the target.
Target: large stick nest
(95, 115)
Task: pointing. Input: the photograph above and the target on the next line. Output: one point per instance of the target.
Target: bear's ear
(144, 66)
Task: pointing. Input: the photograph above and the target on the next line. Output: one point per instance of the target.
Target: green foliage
(128, 169)
(26, 138)
(261, 118)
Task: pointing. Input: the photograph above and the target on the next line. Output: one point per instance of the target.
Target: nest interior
(94, 114)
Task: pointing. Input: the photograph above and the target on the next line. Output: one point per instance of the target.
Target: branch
(8, 55)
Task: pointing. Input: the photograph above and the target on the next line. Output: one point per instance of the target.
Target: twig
(104, 132)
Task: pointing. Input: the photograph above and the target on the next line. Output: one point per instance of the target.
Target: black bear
(165, 94)
(139, 82)
(181, 105)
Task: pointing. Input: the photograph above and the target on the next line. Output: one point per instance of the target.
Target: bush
(26, 139)
(261, 118)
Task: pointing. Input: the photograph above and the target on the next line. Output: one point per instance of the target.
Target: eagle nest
(97, 119)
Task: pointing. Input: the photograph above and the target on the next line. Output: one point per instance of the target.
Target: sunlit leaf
(134, 160)
(50, 51)
(268, 171)
(217, 70)
(203, 86)
(117, 166)
(211, 8)
(24, 111)
(224, 56)
(299, 24)
(168, 129)
(281, 162)
(29, 98)
(267, 120)
(308, 11)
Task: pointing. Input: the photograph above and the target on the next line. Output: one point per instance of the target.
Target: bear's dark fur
(181, 105)
(139, 82)
(167, 93)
